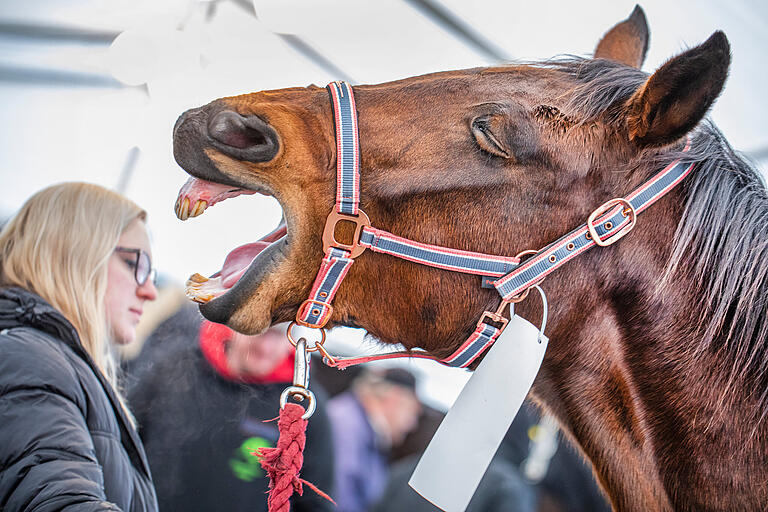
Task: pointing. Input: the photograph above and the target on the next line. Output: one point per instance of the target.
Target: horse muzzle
(216, 128)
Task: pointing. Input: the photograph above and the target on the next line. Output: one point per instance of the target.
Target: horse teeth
(197, 278)
(183, 213)
(200, 298)
(199, 208)
(200, 289)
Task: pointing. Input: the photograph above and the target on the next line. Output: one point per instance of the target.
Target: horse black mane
(722, 238)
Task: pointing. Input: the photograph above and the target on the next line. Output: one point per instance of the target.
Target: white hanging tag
(469, 435)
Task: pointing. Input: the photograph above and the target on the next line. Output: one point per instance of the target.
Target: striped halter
(511, 278)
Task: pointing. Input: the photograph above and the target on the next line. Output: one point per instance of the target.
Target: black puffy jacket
(200, 428)
(65, 441)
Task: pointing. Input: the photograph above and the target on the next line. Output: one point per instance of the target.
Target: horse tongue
(239, 260)
(196, 195)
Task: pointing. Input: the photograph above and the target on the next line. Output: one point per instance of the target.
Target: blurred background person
(502, 489)
(534, 469)
(367, 421)
(75, 273)
(202, 394)
(548, 461)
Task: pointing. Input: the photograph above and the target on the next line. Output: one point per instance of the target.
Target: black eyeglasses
(142, 265)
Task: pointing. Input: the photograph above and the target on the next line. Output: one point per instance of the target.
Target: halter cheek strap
(605, 225)
(317, 310)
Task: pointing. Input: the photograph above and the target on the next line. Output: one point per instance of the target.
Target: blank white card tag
(464, 444)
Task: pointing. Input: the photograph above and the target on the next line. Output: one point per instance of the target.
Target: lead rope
(283, 462)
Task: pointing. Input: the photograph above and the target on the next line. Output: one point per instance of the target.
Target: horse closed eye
(488, 142)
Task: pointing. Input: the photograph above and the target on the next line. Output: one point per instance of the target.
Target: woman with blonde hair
(75, 272)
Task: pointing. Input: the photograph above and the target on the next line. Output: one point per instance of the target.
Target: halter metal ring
(329, 359)
(520, 297)
(627, 211)
(527, 252)
(314, 347)
(303, 393)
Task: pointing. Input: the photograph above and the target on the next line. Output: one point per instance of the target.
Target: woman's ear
(627, 42)
(677, 96)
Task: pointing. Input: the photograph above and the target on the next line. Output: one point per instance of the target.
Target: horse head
(493, 160)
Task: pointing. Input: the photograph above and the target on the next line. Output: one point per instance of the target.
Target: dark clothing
(500, 490)
(565, 483)
(568, 485)
(200, 429)
(65, 441)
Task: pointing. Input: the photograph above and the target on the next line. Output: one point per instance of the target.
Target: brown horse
(657, 365)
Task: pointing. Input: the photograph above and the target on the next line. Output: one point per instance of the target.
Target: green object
(244, 464)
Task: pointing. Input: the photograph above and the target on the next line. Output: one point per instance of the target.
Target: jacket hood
(22, 308)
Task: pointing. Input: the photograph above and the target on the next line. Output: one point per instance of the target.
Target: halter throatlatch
(605, 226)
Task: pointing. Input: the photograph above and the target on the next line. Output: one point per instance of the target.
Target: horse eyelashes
(553, 117)
(486, 139)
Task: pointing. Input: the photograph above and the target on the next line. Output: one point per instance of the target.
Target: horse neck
(624, 377)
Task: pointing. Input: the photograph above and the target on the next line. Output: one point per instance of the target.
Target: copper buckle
(498, 316)
(360, 220)
(628, 210)
(305, 304)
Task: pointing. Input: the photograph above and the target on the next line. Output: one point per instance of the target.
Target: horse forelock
(600, 86)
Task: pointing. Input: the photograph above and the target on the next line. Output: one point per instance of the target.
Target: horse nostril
(230, 128)
(243, 137)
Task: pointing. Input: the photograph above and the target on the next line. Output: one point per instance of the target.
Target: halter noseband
(605, 225)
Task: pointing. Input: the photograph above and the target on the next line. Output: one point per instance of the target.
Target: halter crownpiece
(607, 224)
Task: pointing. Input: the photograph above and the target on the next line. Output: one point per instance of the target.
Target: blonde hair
(58, 246)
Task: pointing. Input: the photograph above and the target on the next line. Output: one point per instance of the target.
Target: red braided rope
(283, 462)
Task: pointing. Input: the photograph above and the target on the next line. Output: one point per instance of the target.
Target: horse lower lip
(205, 290)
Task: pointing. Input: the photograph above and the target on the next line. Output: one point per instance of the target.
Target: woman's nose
(147, 291)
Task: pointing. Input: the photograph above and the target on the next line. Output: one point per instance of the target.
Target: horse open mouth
(247, 263)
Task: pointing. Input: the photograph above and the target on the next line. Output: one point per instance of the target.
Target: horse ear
(627, 42)
(676, 97)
